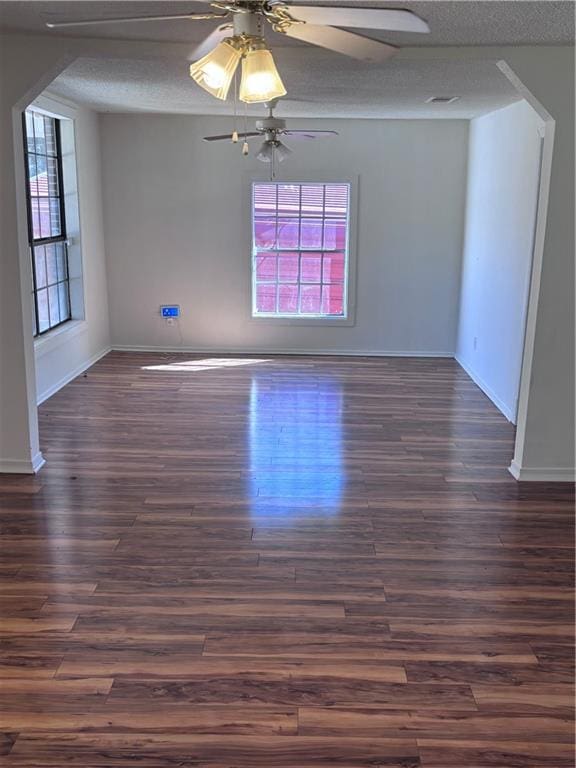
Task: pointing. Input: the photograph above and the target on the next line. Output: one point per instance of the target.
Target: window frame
(62, 237)
(311, 177)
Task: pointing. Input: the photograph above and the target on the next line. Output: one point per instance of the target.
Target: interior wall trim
(508, 410)
(22, 467)
(543, 474)
(284, 351)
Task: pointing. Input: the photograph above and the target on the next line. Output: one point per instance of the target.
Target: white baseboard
(542, 474)
(40, 398)
(22, 466)
(507, 410)
(279, 352)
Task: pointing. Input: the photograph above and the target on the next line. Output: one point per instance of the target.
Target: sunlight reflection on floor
(295, 440)
(209, 364)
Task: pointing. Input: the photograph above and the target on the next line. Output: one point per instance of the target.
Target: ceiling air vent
(442, 99)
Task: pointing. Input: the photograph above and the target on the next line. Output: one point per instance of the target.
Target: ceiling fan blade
(392, 19)
(348, 43)
(210, 42)
(301, 134)
(228, 136)
(125, 19)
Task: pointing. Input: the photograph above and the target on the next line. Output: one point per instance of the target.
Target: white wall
(503, 177)
(546, 426)
(63, 353)
(177, 231)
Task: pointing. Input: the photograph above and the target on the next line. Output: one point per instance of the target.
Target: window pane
(53, 305)
(333, 299)
(288, 268)
(39, 140)
(312, 199)
(265, 233)
(51, 266)
(52, 170)
(333, 268)
(32, 175)
(30, 132)
(288, 299)
(288, 232)
(264, 198)
(336, 200)
(265, 298)
(310, 299)
(265, 267)
(64, 304)
(40, 264)
(288, 199)
(43, 318)
(311, 269)
(50, 134)
(311, 233)
(55, 224)
(44, 208)
(335, 234)
(33, 308)
(61, 265)
(35, 213)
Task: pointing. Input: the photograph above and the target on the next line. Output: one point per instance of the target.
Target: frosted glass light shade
(214, 72)
(260, 78)
(271, 150)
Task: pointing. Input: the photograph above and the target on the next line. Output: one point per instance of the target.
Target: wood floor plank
(297, 563)
(496, 754)
(204, 667)
(189, 719)
(215, 751)
(447, 726)
(300, 691)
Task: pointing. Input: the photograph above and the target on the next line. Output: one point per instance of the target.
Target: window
(46, 221)
(300, 249)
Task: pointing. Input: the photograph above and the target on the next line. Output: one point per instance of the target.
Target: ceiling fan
(240, 37)
(272, 129)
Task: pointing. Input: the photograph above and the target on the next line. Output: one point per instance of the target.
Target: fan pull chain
(245, 147)
(273, 163)
(235, 119)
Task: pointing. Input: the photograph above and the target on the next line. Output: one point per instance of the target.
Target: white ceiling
(456, 22)
(319, 83)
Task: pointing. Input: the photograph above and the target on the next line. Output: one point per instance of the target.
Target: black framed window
(46, 221)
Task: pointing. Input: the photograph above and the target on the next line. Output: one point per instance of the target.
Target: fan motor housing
(270, 124)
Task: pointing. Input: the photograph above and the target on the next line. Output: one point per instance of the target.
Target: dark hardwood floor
(283, 562)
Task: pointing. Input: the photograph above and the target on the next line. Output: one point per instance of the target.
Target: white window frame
(349, 318)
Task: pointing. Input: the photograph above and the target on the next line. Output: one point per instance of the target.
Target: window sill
(54, 339)
(304, 321)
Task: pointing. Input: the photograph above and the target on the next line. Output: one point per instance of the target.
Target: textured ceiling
(465, 22)
(320, 84)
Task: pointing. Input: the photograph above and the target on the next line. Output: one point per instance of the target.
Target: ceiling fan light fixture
(282, 151)
(214, 72)
(271, 150)
(265, 153)
(260, 79)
